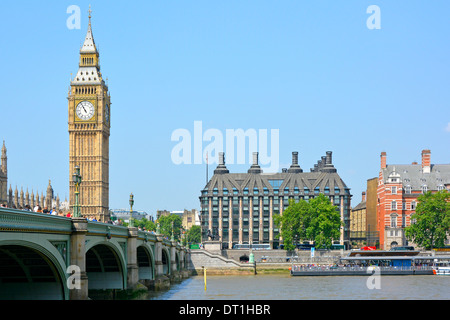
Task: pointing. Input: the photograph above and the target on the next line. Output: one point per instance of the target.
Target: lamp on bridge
(182, 235)
(77, 181)
(131, 208)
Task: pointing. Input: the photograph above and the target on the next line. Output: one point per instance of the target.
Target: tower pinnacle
(89, 44)
(4, 158)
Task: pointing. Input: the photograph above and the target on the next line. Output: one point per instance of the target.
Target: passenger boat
(441, 271)
(362, 262)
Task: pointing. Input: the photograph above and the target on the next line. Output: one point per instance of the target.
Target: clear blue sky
(311, 69)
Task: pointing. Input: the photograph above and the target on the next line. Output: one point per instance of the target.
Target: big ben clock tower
(89, 129)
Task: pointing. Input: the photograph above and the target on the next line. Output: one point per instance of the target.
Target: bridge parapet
(146, 236)
(107, 230)
(27, 221)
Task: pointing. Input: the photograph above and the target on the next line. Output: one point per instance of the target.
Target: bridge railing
(106, 229)
(147, 236)
(19, 220)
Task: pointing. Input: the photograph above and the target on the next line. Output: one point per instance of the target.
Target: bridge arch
(105, 266)
(146, 263)
(177, 261)
(165, 259)
(30, 270)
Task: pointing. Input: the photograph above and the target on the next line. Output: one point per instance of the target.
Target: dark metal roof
(439, 257)
(382, 253)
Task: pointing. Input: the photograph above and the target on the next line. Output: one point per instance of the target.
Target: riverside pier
(361, 262)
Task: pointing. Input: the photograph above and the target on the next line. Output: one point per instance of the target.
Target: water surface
(286, 287)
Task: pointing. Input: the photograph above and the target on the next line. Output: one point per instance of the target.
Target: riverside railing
(339, 269)
(299, 259)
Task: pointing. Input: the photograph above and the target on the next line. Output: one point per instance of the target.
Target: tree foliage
(166, 222)
(317, 220)
(194, 234)
(144, 223)
(431, 221)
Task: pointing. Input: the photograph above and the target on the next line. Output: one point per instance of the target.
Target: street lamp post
(77, 181)
(182, 235)
(131, 208)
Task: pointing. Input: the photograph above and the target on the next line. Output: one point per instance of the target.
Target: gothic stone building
(399, 186)
(238, 208)
(19, 200)
(3, 176)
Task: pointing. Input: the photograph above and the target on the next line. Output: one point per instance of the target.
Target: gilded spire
(90, 11)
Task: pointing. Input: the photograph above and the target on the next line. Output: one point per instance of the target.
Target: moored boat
(378, 261)
(441, 271)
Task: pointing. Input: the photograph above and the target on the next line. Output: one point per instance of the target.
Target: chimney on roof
(255, 168)
(255, 158)
(295, 168)
(319, 165)
(329, 158)
(221, 168)
(294, 157)
(426, 161)
(363, 196)
(383, 160)
(328, 163)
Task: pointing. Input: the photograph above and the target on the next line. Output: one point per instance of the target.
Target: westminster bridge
(51, 257)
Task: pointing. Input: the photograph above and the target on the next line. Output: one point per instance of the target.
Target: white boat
(441, 271)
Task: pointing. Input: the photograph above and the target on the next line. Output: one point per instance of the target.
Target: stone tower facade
(89, 130)
(3, 176)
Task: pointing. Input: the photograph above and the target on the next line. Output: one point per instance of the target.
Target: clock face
(85, 110)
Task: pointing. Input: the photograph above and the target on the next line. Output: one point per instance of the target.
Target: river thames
(286, 287)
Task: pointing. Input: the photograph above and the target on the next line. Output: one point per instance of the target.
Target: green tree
(431, 221)
(292, 223)
(166, 223)
(325, 222)
(194, 234)
(144, 223)
(316, 220)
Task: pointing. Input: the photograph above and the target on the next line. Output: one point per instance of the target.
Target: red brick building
(399, 186)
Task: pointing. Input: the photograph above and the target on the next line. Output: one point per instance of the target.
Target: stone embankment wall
(283, 256)
(215, 263)
(266, 261)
